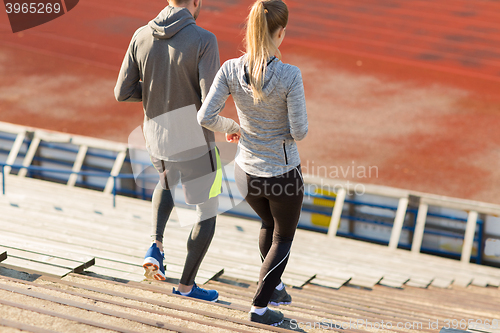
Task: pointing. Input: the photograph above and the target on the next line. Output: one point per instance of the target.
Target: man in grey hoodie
(169, 67)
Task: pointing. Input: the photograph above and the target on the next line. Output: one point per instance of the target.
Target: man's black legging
(199, 239)
(278, 202)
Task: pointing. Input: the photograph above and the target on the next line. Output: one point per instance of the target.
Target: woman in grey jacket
(269, 98)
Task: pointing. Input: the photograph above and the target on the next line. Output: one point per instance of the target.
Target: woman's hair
(265, 18)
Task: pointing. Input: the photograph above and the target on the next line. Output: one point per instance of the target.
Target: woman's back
(269, 127)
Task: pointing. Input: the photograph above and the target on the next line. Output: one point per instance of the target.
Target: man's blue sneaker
(153, 264)
(200, 293)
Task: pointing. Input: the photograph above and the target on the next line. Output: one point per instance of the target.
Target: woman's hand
(234, 138)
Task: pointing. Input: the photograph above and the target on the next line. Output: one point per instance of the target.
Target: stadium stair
(74, 265)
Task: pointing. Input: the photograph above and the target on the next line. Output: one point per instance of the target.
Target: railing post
(337, 212)
(470, 230)
(398, 223)
(115, 171)
(418, 234)
(114, 191)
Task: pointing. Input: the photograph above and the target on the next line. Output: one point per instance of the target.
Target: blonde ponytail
(265, 18)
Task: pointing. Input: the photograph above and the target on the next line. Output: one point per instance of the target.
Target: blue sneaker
(153, 264)
(200, 293)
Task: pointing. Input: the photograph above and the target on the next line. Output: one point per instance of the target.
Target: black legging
(199, 239)
(278, 202)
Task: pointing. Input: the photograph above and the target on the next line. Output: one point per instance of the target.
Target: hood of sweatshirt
(170, 21)
(270, 80)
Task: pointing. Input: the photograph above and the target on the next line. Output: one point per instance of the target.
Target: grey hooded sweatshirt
(270, 128)
(169, 66)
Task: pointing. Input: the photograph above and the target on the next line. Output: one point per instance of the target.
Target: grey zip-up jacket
(269, 129)
(169, 66)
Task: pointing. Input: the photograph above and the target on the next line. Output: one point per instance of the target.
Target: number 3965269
(33, 8)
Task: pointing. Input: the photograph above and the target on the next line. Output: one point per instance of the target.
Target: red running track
(407, 87)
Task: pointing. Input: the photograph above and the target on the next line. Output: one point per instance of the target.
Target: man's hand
(234, 138)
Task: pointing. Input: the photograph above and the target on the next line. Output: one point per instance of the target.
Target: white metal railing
(473, 208)
(342, 188)
(84, 144)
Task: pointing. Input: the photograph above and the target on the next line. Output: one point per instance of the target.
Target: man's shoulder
(204, 34)
(139, 32)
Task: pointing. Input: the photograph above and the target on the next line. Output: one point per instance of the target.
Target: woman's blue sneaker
(200, 293)
(153, 264)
